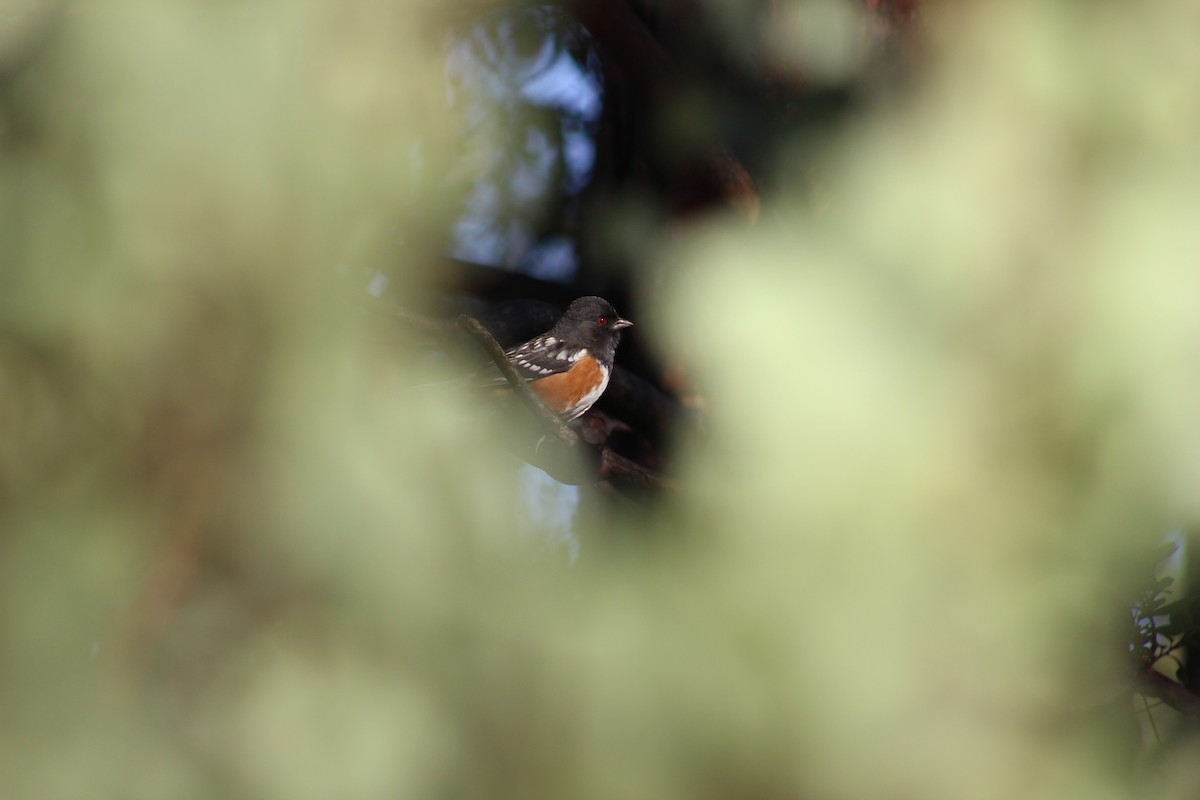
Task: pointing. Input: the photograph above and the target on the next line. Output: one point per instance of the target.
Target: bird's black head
(593, 323)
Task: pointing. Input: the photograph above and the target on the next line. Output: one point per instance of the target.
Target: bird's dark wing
(539, 357)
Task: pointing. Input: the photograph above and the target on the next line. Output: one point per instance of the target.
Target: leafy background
(241, 556)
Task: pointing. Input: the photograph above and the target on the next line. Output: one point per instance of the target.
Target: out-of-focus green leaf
(951, 398)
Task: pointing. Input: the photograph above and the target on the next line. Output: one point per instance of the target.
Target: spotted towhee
(569, 365)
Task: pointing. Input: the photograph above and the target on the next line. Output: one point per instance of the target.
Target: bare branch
(615, 465)
(1153, 683)
(551, 421)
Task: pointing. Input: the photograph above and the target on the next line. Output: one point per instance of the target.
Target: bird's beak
(621, 323)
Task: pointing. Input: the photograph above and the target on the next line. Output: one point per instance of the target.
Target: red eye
(601, 321)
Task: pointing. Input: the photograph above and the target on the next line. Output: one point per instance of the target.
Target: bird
(568, 366)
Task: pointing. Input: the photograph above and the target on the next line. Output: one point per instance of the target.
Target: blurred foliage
(240, 558)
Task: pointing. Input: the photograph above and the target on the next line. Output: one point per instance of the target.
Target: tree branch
(550, 421)
(615, 465)
(1153, 683)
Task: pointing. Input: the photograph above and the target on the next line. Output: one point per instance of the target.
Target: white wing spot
(563, 355)
(550, 341)
(578, 354)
